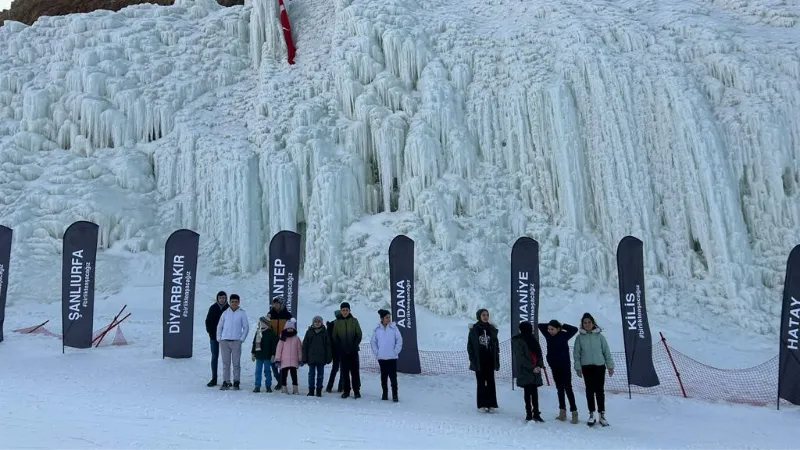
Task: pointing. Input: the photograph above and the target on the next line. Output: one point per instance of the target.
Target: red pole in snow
(675, 368)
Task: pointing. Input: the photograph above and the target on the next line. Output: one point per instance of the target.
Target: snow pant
(276, 373)
(214, 358)
(595, 379)
(316, 372)
(285, 375)
(263, 365)
(351, 372)
(487, 392)
(388, 373)
(563, 379)
(334, 371)
(231, 355)
(531, 393)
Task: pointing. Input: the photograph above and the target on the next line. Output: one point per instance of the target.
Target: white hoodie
(233, 326)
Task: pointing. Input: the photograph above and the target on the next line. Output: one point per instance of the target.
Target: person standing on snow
(288, 355)
(483, 349)
(265, 342)
(528, 365)
(317, 352)
(387, 343)
(279, 315)
(212, 320)
(346, 339)
(592, 357)
(231, 332)
(557, 336)
(336, 359)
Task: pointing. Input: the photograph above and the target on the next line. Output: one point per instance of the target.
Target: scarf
(263, 324)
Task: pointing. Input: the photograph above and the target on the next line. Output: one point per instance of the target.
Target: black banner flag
(5, 259)
(401, 287)
(635, 327)
(524, 286)
(180, 275)
(284, 269)
(789, 356)
(77, 284)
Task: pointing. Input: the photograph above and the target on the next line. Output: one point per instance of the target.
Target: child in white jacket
(232, 330)
(386, 344)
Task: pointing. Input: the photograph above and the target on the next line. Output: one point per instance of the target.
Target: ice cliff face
(463, 125)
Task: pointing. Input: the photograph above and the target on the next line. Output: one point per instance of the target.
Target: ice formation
(462, 124)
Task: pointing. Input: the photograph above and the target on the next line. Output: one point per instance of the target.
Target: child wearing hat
(386, 343)
(317, 351)
(265, 342)
(288, 355)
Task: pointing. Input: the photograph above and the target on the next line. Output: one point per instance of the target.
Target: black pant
(595, 379)
(334, 371)
(562, 376)
(487, 394)
(284, 375)
(351, 375)
(531, 393)
(388, 372)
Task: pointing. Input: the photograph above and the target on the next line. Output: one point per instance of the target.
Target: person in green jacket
(592, 357)
(265, 341)
(346, 339)
(528, 366)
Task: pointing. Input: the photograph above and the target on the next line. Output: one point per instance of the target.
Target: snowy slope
(463, 124)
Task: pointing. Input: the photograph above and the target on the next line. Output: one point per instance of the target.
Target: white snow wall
(580, 124)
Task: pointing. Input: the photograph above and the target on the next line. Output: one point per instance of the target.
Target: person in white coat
(232, 330)
(386, 344)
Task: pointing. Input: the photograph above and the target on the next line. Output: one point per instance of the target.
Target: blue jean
(214, 358)
(319, 370)
(263, 365)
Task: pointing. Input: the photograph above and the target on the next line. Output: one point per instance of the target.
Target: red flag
(287, 32)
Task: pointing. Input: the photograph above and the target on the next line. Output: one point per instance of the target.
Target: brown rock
(27, 11)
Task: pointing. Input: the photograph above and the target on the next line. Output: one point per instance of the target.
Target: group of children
(591, 354)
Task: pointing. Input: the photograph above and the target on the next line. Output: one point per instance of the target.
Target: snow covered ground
(127, 397)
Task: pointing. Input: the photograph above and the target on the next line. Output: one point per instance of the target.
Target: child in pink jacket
(288, 355)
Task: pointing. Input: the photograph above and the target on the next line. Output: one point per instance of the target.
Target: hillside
(463, 124)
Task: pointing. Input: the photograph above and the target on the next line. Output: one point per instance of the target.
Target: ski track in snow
(496, 119)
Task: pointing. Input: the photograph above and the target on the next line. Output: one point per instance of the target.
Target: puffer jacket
(591, 349)
(386, 341)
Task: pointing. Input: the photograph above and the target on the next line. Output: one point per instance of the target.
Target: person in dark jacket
(335, 367)
(557, 336)
(279, 315)
(212, 320)
(528, 365)
(265, 341)
(317, 351)
(346, 339)
(483, 349)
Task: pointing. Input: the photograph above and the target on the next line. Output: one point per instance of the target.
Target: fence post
(669, 354)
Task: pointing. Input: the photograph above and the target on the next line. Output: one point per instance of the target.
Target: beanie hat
(317, 318)
(554, 323)
(383, 313)
(291, 323)
(344, 305)
(480, 311)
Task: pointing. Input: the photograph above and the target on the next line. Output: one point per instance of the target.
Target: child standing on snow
(557, 335)
(288, 355)
(592, 358)
(528, 364)
(317, 352)
(265, 342)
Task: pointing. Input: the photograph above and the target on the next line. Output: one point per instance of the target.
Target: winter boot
(268, 389)
(284, 390)
(345, 394)
(537, 417)
(385, 395)
(310, 392)
(592, 421)
(329, 388)
(528, 416)
(356, 393)
(394, 395)
(603, 420)
(319, 392)
(225, 386)
(574, 416)
(235, 385)
(257, 389)
(294, 390)
(562, 415)
(212, 383)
